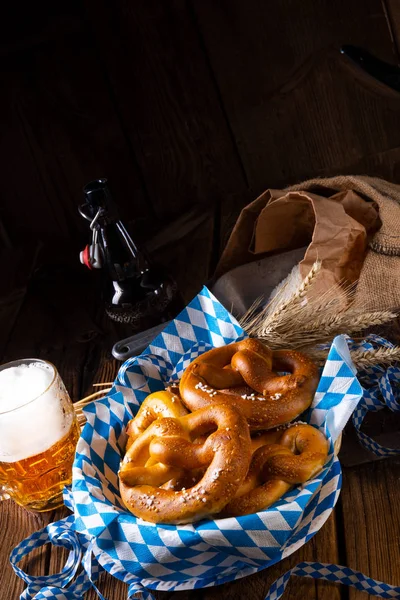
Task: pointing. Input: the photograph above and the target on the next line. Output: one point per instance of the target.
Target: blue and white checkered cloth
(381, 390)
(101, 534)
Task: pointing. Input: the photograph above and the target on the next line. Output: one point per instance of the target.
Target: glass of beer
(38, 434)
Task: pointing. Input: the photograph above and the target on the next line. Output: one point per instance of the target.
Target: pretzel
(158, 404)
(281, 459)
(220, 374)
(225, 455)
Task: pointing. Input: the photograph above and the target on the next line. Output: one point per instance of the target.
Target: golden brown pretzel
(138, 466)
(280, 460)
(156, 405)
(225, 455)
(275, 399)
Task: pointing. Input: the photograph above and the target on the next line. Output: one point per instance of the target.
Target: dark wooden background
(189, 108)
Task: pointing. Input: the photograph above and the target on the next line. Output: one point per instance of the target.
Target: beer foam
(19, 385)
(32, 417)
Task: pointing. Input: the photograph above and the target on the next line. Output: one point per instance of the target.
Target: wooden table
(363, 532)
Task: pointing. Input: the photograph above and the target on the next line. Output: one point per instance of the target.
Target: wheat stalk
(255, 322)
(279, 308)
(283, 317)
(292, 334)
(349, 321)
(361, 358)
(298, 295)
(301, 321)
(380, 356)
(316, 322)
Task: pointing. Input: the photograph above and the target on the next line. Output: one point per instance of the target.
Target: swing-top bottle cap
(97, 195)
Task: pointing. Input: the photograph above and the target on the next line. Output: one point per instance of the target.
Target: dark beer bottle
(136, 291)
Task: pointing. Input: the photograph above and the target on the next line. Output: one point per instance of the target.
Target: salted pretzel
(159, 404)
(173, 444)
(272, 400)
(281, 459)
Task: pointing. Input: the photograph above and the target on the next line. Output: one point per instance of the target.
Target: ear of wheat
(278, 307)
(362, 358)
(300, 321)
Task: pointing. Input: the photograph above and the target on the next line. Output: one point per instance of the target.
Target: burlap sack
(334, 229)
(379, 281)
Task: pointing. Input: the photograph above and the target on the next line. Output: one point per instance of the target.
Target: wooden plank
(51, 325)
(382, 428)
(106, 372)
(61, 131)
(354, 454)
(190, 260)
(392, 10)
(185, 249)
(54, 320)
(17, 265)
(168, 102)
(18, 190)
(371, 521)
(294, 103)
(47, 21)
(16, 524)
(385, 165)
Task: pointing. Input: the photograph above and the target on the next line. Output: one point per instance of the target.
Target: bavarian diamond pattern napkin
(165, 557)
(381, 390)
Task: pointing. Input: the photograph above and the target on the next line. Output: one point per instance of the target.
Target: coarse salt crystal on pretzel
(220, 374)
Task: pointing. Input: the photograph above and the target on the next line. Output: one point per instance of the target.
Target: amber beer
(38, 434)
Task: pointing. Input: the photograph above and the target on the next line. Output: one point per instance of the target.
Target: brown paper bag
(378, 287)
(335, 231)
